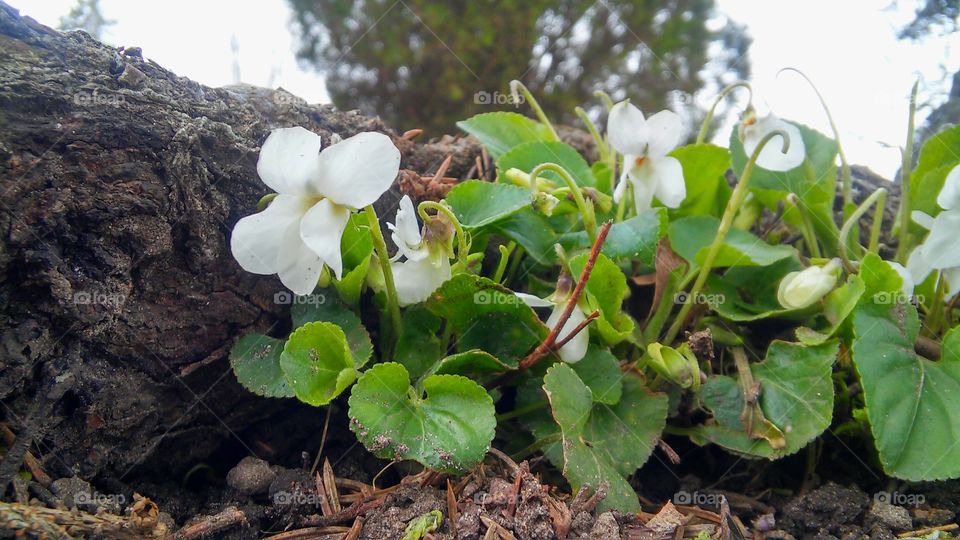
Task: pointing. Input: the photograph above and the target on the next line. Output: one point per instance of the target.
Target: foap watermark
(696, 498)
(94, 97)
(486, 298)
(286, 298)
(87, 298)
(299, 498)
(684, 297)
(898, 298)
(95, 498)
(899, 499)
(497, 98)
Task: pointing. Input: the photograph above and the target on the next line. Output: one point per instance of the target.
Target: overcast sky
(848, 47)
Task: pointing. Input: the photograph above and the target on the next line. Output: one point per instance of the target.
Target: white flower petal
(949, 197)
(290, 160)
(922, 219)
(952, 277)
(416, 280)
(908, 285)
(576, 348)
(627, 129)
(772, 156)
(644, 184)
(941, 247)
(406, 232)
(621, 189)
(321, 230)
(533, 301)
(918, 266)
(666, 132)
(358, 170)
(670, 187)
(255, 241)
(297, 265)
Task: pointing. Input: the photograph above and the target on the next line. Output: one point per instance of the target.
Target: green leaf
(692, 236)
(255, 360)
(488, 316)
(704, 167)
(317, 363)
(419, 348)
(602, 442)
(448, 429)
(356, 247)
(533, 233)
(600, 371)
(528, 156)
(501, 131)
(604, 175)
(605, 291)
(635, 238)
(325, 308)
(796, 395)
(473, 363)
(478, 204)
(749, 293)
(913, 403)
(880, 280)
(837, 306)
(937, 157)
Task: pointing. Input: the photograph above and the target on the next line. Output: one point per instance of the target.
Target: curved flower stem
(517, 87)
(806, 229)
(463, 249)
(602, 147)
(705, 127)
(505, 252)
(847, 179)
(605, 97)
(736, 199)
(589, 218)
(906, 168)
(880, 198)
(393, 305)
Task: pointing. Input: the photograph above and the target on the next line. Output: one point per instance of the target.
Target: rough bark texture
(120, 185)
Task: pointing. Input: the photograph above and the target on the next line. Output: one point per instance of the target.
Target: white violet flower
(941, 250)
(804, 288)
(427, 263)
(575, 349)
(645, 143)
(772, 157)
(301, 229)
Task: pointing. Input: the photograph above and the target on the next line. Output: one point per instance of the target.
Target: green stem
(393, 306)
(517, 86)
(505, 252)
(602, 147)
(736, 199)
(879, 197)
(708, 119)
(806, 229)
(535, 406)
(589, 219)
(605, 97)
(905, 170)
(537, 445)
(463, 248)
(844, 164)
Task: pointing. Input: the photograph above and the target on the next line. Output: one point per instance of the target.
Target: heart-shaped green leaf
(473, 363)
(317, 363)
(600, 371)
(606, 291)
(528, 156)
(691, 238)
(419, 348)
(603, 443)
(749, 293)
(448, 429)
(533, 233)
(325, 307)
(635, 238)
(488, 316)
(478, 204)
(255, 359)
(796, 395)
(913, 403)
(501, 131)
(704, 166)
(837, 307)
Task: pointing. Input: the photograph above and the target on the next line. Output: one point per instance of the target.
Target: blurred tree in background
(86, 16)
(420, 63)
(939, 17)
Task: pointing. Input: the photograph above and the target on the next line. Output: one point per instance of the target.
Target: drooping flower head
(575, 349)
(300, 231)
(940, 251)
(645, 143)
(804, 288)
(427, 254)
(753, 129)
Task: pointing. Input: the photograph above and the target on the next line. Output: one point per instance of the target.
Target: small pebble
(251, 476)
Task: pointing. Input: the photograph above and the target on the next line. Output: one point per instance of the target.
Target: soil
(120, 184)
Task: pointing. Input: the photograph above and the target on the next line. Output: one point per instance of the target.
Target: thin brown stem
(583, 324)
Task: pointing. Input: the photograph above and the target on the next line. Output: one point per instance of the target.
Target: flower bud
(678, 366)
(806, 287)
